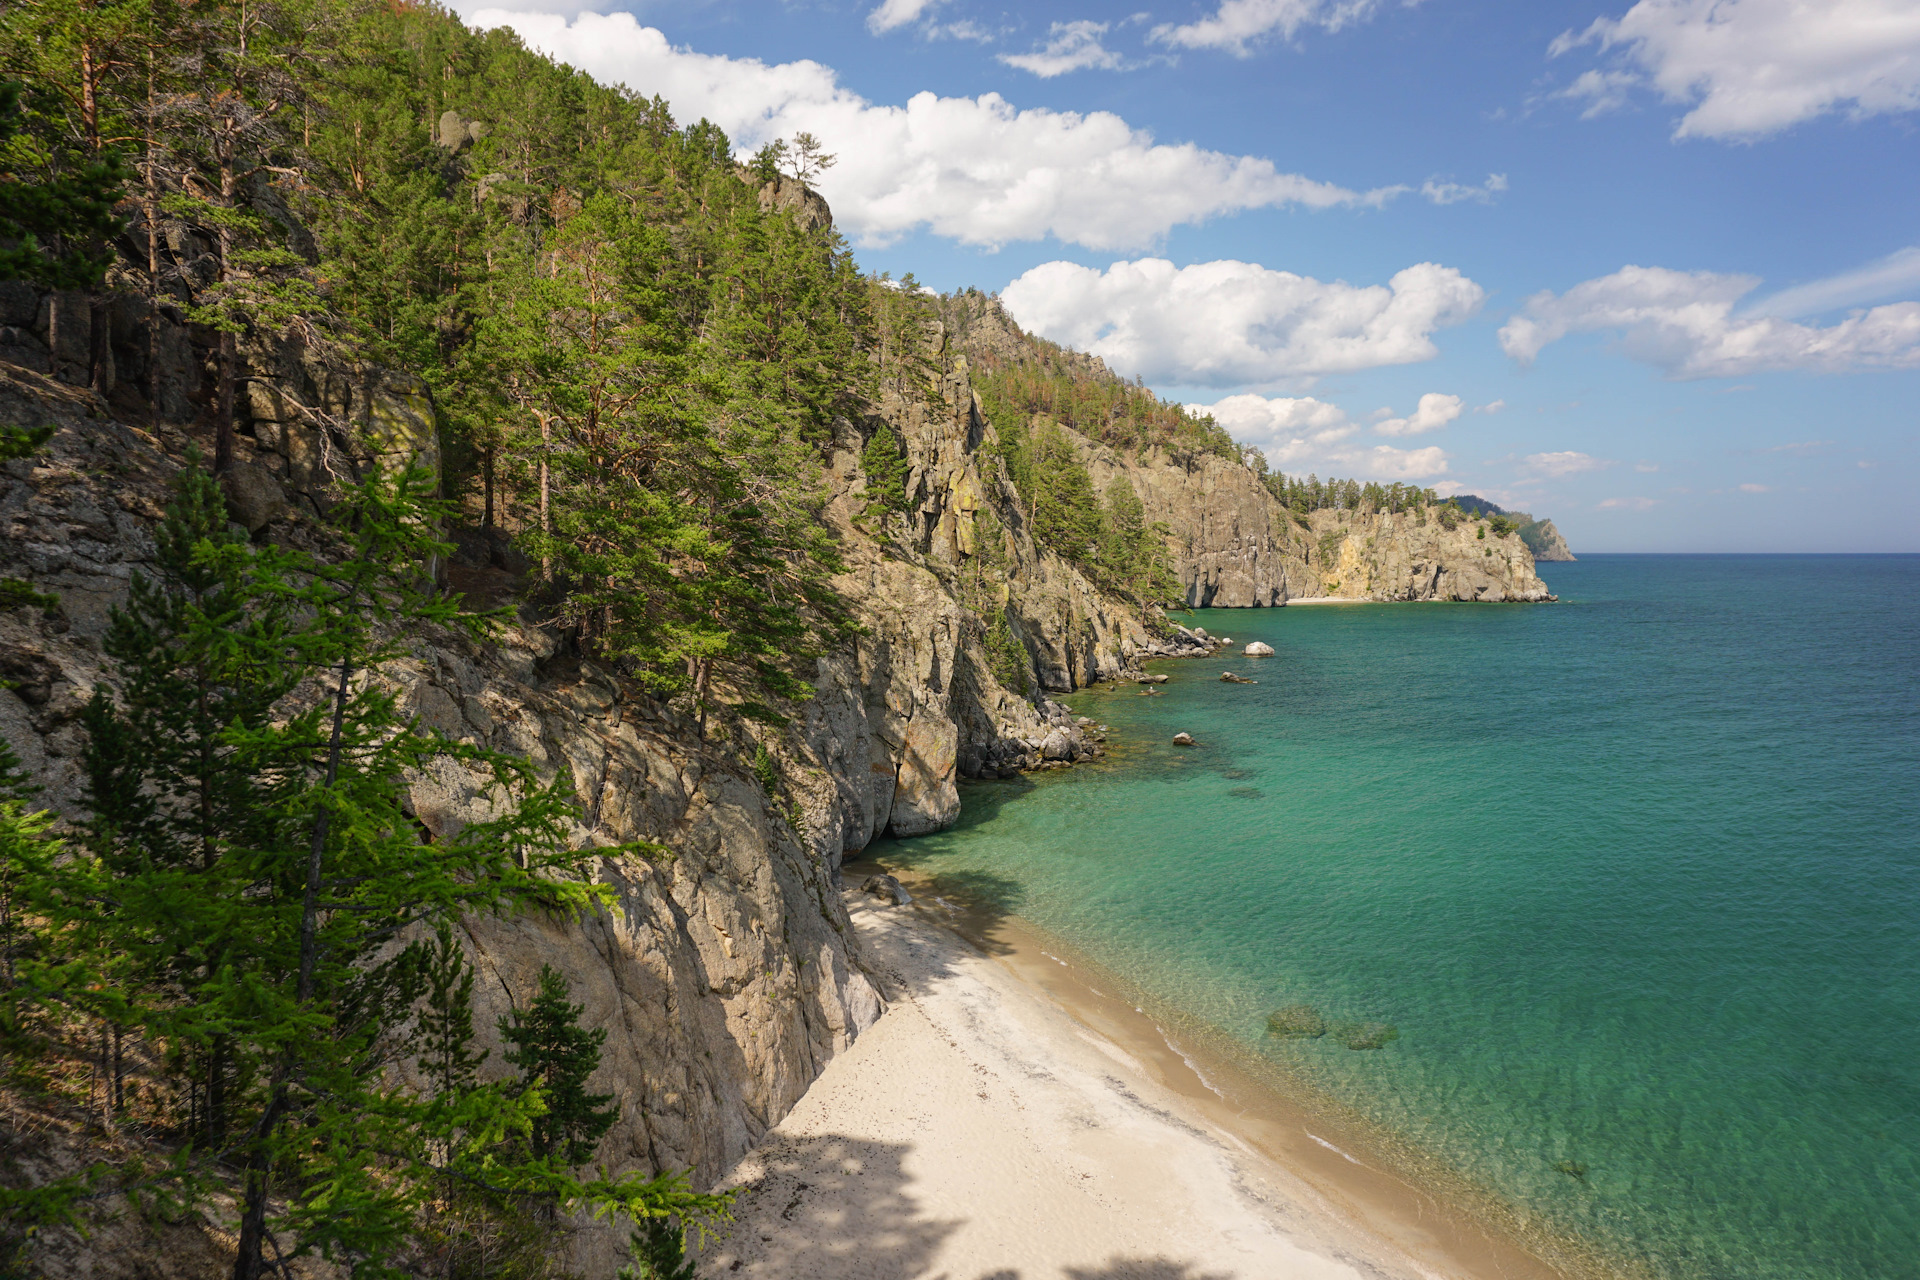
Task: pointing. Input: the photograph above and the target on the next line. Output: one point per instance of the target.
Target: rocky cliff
(1231, 543)
(725, 975)
(1543, 539)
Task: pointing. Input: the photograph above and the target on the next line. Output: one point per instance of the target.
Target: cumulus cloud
(893, 14)
(1685, 323)
(1552, 466)
(1434, 412)
(1748, 68)
(1300, 433)
(1492, 406)
(1454, 192)
(1228, 323)
(1070, 46)
(978, 170)
(1237, 25)
(1627, 504)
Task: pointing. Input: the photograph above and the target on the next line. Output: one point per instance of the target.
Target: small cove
(1633, 877)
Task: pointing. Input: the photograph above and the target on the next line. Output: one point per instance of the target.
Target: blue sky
(1649, 268)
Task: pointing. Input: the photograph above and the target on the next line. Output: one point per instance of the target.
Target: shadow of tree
(1143, 1269)
(827, 1206)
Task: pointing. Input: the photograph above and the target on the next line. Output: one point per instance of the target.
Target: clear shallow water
(1636, 876)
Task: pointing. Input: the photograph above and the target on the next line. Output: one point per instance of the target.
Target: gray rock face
(1258, 649)
(254, 498)
(1543, 539)
(724, 974)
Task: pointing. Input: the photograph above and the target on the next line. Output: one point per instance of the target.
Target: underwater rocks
(1304, 1022)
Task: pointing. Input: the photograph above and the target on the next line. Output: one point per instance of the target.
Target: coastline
(1010, 1115)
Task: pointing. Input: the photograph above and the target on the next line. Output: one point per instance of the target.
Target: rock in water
(1158, 677)
(1258, 649)
(1364, 1035)
(1227, 677)
(887, 889)
(1297, 1022)
(1572, 1168)
(1182, 739)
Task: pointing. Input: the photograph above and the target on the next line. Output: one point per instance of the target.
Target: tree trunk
(251, 1260)
(229, 344)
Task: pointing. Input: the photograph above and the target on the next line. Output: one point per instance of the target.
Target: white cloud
(1553, 466)
(1070, 46)
(1646, 468)
(1628, 504)
(1749, 68)
(978, 170)
(1454, 192)
(1492, 406)
(1225, 322)
(1756, 488)
(1434, 412)
(1300, 433)
(893, 14)
(1684, 322)
(1894, 274)
(1238, 24)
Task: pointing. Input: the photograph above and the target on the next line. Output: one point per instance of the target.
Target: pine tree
(556, 1055)
(885, 466)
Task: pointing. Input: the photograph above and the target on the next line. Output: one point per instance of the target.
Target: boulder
(1058, 745)
(1258, 650)
(887, 889)
(254, 498)
(1182, 739)
(1297, 1022)
(1227, 677)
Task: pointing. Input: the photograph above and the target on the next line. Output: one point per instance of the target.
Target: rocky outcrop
(723, 974)
(1232, 545)
(1543, 539)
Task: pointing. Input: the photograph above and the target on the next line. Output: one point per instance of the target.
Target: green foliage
(15, 594)
(658, 1250)
(1007, 658)
(555, 1056)
(56, 202)
(885, 465)
(259, 860)
(22, 442)
(765, 770)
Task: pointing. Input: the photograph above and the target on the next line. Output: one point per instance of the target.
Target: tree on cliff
(246, 893)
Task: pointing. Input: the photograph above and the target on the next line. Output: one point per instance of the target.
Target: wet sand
(1012, 1118)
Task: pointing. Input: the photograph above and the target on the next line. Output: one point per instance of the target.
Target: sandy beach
(1007, 1120)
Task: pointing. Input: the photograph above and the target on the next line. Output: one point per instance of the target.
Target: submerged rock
(1258, 649)
(1572, 1168)
(1364, 1035)
(1182, 739)
(1297, 1022)
(1227, 677)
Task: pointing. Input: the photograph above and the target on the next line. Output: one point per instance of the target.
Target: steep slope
(1233, 545)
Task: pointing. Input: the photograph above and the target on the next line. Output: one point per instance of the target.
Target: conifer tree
(557, 1056)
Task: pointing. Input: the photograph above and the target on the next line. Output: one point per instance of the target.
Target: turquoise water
(1636, 877)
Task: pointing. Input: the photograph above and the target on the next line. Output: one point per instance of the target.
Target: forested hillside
(479, 554)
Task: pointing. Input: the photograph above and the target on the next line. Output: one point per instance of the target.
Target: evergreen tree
(557, 1056)
(885, 466)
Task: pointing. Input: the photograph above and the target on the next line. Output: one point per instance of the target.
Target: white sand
(978, 1131)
